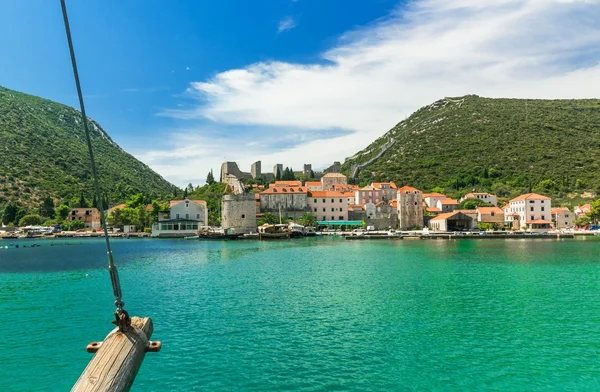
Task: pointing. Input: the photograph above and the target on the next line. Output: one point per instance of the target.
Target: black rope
(122, 318)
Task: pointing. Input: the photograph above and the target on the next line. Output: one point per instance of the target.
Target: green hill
(506, 146)
(43, 154)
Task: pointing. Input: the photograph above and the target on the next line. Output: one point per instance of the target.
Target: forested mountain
(43, 154)
(506, 146)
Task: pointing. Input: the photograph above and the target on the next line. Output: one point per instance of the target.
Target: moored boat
(267, 231)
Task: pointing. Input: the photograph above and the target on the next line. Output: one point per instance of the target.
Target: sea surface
(318, 314)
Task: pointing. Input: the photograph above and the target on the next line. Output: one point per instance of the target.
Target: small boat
(216, 234)
(310, 232)
(296, 230)
(267, 232)
(10, 237)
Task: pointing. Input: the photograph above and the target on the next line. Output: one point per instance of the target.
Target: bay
(319, 314)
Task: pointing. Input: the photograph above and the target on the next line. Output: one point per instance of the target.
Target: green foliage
(267, 218)
(62, 211)
(308, 219)
(278, 174)
(30, 220)
(76, 225)
(490, 144)
(583, 220)
(210, 178)
(47, 207)
(212, 194)
(45, 155)
(471, 204)
(594, 213)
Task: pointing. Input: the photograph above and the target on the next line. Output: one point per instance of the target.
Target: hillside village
(331, 202)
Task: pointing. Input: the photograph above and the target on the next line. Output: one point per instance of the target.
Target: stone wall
(382, 216)
(255, 170)
(410, 209)
(232, 168)
(238, 212)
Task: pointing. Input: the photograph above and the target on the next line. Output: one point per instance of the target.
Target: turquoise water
(315, 314)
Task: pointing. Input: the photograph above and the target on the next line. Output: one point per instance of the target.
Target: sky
(185, 85)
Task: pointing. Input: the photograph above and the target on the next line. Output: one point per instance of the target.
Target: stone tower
(307, 170)
(238, 213)
(410, 208)
(280, 166)
(255, 170)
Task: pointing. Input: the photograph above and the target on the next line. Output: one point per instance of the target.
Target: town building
(409, 207)
(331, 179)
(447, 205)
(238, 213)
(314, 185)
(328, 205)
(388, 190)
(185, 217)
(530, 211)
(381, 216)
(453, 221)
(432, 199)
(582, 210)
(563, 218)
(356, 212)
(487, 197)
(255, 170)
(368, 194)
(492, 215)
(89, 216)
(289, 201)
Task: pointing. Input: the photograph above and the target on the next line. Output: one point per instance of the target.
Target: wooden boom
(117, 359)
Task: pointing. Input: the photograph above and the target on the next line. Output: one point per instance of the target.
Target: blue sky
(184, 85)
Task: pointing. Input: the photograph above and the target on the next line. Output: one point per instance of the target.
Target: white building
(431, 199)
(185, 217)
(487, 197)
(529, 211)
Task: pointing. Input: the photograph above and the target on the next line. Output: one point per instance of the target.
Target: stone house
(89, 216)
(409, 208)
(291, 201)
(314, 185)
(431, 199)
(368, 194)
(447, 205)
(328, 205)
(382, 216)
(388, 190)
(563, 218)
(487, 197)
(493, 215)
(331, 179)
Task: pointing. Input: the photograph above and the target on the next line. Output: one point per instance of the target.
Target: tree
(136, 200)
(8, 216)
(62, 212)
(308, 219)
(77, 225)
(312, 174)
(82, 202)
(30, 220)
(47, 207)
(278, 174)
(267, 218)
(594, 213)
(210, 178)
(583, 220)
(437, 189)
(471, 204)
(185, 193)
(190, 188)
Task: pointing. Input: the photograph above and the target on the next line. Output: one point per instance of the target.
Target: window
(187, 216)
(323, 209)
(186, 205)
(416, 203)
(176, 216)
(243, 216)
(315, 209)
(493, 213)
(333, 209)
(531, 209)
(532, 218)
(315, 201)
(333, 218)
(531, 201)
(197, 216)
(340, 200)
(543, 217)
(341, 217)
(542, 208)
(323, 200)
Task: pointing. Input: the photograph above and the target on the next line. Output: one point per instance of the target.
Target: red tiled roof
(408, 188)
(313, 183)
(539, 222)
(288, 183)
(433, 209)
(444, 216)
(120, 207)
(325, 194)
(489, 210)
(283, 190)
(199, 202)
(434, 194)
(449, 202)
(378, 185)
(530, 196)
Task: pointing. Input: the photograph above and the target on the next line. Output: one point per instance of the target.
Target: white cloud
(377, 75)
(285, 24)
